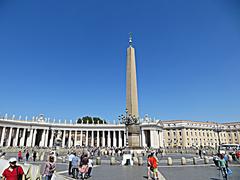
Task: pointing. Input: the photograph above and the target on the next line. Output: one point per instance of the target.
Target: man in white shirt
(70, 157)
(90, 166)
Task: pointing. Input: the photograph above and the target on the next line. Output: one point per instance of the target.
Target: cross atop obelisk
(131, 87)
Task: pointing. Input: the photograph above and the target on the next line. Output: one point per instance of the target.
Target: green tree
(91, 120)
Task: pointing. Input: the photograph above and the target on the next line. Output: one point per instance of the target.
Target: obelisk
(131, 87)
(132, 99)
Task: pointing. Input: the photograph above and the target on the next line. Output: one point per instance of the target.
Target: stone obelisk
(132, 99)
(131, 93)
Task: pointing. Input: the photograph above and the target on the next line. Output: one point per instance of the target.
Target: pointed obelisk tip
(130, 39)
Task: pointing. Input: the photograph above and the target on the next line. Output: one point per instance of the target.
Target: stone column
(22, 141)
(161, 139)
(98, 142)
(184, 138)
(109, 140)
(3, 136)
(16, 137)
(69, 139)
(9, 137)
(92, 139)
(42, 142)
(46, 138)
(75, 138)
(34, 137)
(125, 140)
(86, 138)
(51, 140)
(63, 138)
(152, 138)
(81, 139)
(120, 138)
(114, 139)
(238, 137)
(103, 139)
(143, 139)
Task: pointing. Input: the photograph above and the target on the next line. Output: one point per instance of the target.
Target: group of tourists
(27, 155)
(80, 166)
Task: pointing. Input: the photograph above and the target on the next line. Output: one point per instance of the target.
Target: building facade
(42, 132)
(187, 134)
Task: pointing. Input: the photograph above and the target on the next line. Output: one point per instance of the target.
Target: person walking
(49, 168)
(13, 172)
(153, 165)
(75, 166)
(70, 157)
(149, 167)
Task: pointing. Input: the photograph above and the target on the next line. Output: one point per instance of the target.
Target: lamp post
(128, 120)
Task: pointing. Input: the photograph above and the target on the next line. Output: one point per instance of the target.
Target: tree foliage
(91, 120)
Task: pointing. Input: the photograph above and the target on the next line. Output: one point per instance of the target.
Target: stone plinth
(134, 136)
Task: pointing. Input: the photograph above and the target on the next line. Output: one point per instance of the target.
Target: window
(180, 133)
(187, 133)
(168, 133)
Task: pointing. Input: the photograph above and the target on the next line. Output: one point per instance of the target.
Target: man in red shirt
(13, 172)
(153, 165)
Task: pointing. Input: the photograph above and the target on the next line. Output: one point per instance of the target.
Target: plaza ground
(177, 171)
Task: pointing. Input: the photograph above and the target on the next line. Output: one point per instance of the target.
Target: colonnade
(15, 133)
(48, 137)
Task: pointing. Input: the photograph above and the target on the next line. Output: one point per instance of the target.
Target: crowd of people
(80, 166)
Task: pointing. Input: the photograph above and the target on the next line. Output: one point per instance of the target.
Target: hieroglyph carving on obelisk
(132, 95)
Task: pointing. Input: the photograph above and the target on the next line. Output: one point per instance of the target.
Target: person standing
(200, 153)
(34, 155)
(75, 165)
(27, 155)
(70, 157)
(49, 168)
(90, 167)
(19, 156)
(13, 172)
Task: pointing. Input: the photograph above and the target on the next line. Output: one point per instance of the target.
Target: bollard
(140, 161)
(169, 161)
(98, 161)
(135, 160)
(112, 161)
(206, 160)
(194, 160)
(183, 161)
(63, 159)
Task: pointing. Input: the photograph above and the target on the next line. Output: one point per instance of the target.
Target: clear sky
(67, 59)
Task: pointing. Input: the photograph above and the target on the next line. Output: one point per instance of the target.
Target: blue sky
(67, 59)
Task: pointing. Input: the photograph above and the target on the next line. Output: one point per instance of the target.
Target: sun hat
(13, 159)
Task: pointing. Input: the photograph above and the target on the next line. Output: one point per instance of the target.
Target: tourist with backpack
(153, 165)
(13, 172)
(49, 168)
